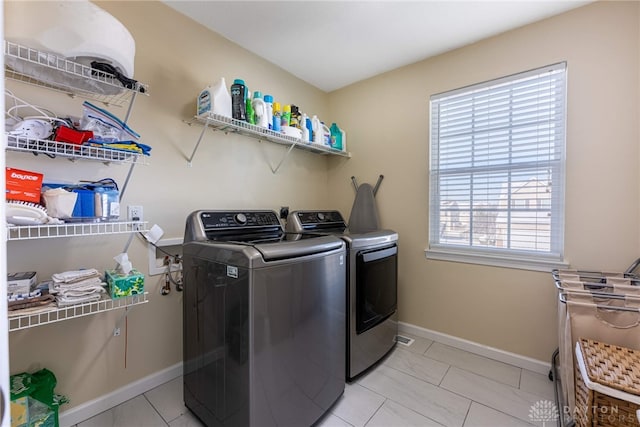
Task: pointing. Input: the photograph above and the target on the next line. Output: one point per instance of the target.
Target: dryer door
(376, 286)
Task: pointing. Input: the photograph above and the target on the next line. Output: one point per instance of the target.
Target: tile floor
(425, 384)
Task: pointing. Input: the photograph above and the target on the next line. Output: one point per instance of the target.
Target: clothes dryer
(372, 283)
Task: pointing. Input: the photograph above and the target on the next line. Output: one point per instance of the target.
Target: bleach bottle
(215, 100)
(303, 127)
(316, 127)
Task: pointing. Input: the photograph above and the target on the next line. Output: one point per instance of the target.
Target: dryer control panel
(301, 221)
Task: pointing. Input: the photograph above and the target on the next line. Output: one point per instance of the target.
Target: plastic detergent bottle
(303, 127)
(277, 117)
(238, 100)
(251, 118)
(259, 110)
(307, 124)
(286, 115)
(203, 103)
(326, 135)
(336, 137)
(268, 102)
(221, 99)
(316, 127)
(344, 140)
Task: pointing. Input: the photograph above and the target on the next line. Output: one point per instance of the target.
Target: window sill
(495, 260)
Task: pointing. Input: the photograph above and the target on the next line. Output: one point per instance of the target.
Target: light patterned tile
(425, 398)
(357, 405)
(330, 420)
(186, 420)
(417, 365)
(493, 394)
(419, 345)
(536, 383)
(167, 399)
(136, 412)
(392, 414)
(481, 416)
(498, 371)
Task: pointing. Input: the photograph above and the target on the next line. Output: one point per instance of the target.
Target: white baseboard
(92, 408)
(482, 350)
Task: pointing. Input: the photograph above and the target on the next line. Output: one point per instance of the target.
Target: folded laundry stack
(77, 286)
(34, 302)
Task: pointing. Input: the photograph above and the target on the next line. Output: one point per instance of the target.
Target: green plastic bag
(33, 400)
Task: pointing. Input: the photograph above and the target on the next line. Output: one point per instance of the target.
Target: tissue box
(125, 285)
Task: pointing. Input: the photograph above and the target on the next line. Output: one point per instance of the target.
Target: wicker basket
(610, 371)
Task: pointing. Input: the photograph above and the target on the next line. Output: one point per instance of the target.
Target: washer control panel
(213, 220)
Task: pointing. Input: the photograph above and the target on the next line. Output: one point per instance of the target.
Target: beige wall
(177, 58)
(386, 118)
(387, 122)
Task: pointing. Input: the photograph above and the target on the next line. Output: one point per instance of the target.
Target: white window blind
(497, 168)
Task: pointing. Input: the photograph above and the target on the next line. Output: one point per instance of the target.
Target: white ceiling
(331, 44)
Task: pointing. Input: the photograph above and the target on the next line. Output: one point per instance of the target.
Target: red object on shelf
(23, 185)
(72, 136)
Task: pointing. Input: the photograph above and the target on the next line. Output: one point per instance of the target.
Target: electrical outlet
(134, 213)
(116, 332)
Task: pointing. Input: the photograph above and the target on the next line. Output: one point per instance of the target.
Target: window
(497, 171)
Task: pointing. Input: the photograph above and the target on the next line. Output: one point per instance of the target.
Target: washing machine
(264, 320)
(372, 283)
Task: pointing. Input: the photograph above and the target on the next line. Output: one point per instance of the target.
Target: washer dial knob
(240, 218)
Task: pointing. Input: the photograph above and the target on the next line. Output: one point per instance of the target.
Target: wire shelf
(73, 151)
(51, 71)
(227, 124)
(45, 231)
(78, 310)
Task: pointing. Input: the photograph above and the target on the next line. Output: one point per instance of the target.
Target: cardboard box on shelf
(21, 283)
(23, 185)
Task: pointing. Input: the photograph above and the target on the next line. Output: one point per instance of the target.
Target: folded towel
(33, 310)
(86, 290)
(31, 302)
(75, 275)
(67, 301)
(94, 281)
